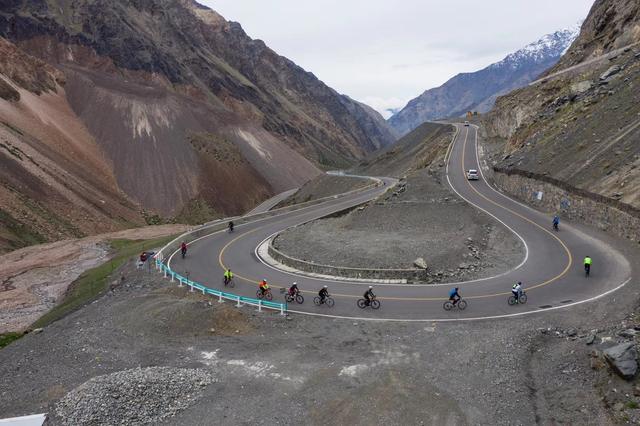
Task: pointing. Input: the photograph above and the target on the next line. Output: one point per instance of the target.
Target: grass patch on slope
(95, 282)
(7, 338)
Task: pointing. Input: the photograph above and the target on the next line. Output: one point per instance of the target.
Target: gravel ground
(156, 393)
(398, 228)
(270, 370)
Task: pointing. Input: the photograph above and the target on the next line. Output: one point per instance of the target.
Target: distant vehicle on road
(472, 174)
(466, 124)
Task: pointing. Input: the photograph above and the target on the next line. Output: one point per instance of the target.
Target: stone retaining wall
(411, 275)
(221, 224)
(571, 203)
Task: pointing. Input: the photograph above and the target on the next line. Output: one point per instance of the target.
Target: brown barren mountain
(581, 124)
(168, 107)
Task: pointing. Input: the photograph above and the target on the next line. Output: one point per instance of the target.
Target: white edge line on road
(466, 282)
(526, 247)
(328, 199)
(518, 314)
(301, 274)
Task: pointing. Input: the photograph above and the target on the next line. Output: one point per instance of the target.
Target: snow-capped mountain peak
(550, 45)
(477, 91)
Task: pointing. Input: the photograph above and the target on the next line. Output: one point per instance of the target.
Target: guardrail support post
(165, 273)
(281, 309)
(259, 305)
(220, 298)
(238, 304)
(203, 290)
(191, 285)
(173, 276)
(179, 282)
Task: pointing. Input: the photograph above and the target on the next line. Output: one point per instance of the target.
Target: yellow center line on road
(564, 246)
(407, 299)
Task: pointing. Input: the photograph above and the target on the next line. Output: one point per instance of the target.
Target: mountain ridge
(478, 90)
(183, 108)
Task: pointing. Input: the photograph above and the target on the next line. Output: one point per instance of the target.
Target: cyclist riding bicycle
(264, 287)
(368, 295)
(323, 293)
(231, 226)
(228, 276)
(293, 290)
(454, 295)
(556, 222)
(587, 264)
(517, 291)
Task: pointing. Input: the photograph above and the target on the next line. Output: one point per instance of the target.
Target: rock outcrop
(580, 123)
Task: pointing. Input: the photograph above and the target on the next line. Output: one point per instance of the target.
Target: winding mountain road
(551, 269)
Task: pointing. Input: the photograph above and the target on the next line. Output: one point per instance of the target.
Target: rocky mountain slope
(581, 126)
(179, 111)
(478, 90)
(54, 180)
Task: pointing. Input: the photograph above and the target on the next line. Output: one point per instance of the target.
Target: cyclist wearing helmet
(293, 290)
(517, 291)
(368, 295)
(587, 264)
(454, 295)
(263, 286)
(323, 293)
(228, 276)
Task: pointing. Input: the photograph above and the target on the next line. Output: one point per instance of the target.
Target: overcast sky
(385, 52)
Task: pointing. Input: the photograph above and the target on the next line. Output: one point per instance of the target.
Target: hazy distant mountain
(478, 90)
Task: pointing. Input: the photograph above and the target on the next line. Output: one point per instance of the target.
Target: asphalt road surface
(552, 270)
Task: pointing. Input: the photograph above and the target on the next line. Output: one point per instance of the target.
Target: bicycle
(587, 270)
(228, 282)
(460, 304)
(521, 300)
(266, 295)
(327, 301)
(291, 297)
(184, 253)
(374, 303)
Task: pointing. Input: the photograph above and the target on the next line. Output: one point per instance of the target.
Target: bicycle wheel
(316, 301)
(330, 302)
(462, 305)
(375, 304)
(361, 303)
(231, 284)
(259, 294)
(288, 298)
(299, 299)
(268, 296)
(447, 305)
(523, 298)
(512, 300)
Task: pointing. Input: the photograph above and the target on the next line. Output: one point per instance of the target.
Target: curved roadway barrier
(164, 256)
(551, 268)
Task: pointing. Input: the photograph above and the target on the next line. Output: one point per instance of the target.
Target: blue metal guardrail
(240, 300)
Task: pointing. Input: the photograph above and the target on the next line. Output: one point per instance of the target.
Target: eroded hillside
(54, 181)
(581, 123)
(168, 106)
